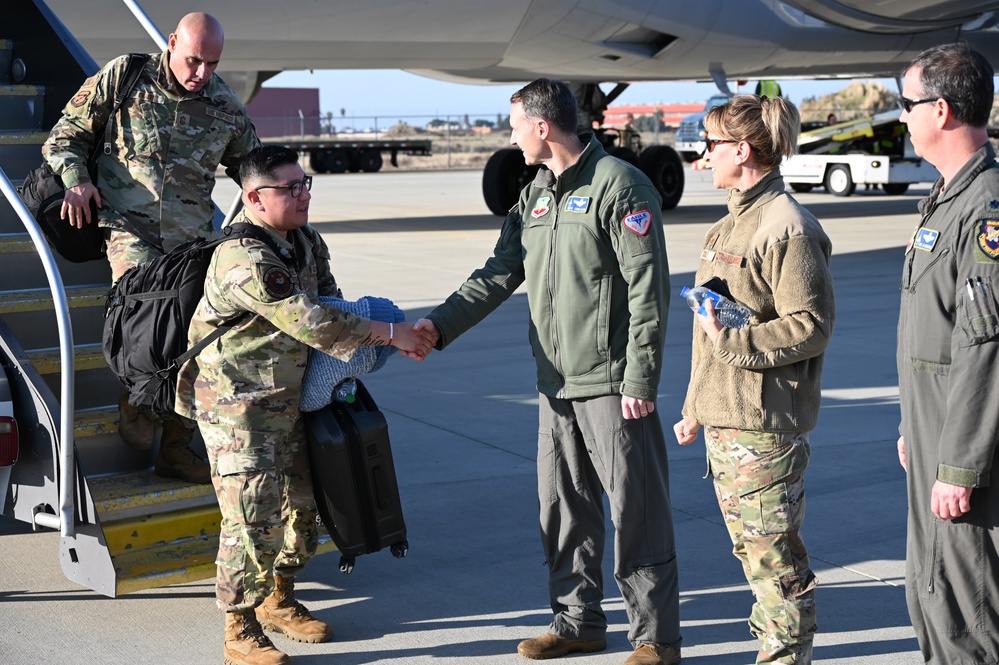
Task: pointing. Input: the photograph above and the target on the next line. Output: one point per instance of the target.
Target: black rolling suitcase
(353, 478)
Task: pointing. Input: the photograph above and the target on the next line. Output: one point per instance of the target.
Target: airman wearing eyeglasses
(244, 393)
(948, 345)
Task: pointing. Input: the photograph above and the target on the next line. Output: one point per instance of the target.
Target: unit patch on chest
(988, 238)
(926, 239)
(542, 207)
(578, 204)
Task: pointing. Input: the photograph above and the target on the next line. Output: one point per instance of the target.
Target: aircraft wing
(580, 40)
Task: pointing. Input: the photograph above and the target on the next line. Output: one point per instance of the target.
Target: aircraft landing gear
(504, 177)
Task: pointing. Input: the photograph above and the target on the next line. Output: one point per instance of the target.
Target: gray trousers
(586, 448)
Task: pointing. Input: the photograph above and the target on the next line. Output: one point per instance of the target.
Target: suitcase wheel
(400, 550)
(347, 564)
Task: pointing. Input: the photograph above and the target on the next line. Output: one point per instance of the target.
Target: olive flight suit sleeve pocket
(979, 317)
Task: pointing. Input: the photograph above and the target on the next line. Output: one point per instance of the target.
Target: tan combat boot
(281, 613)
(176, 460)
(135, 424)
(246, 644)
(654, 654)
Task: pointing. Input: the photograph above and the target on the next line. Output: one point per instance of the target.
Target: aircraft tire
(625, 154)
(895, 188)
(801, 187)
(665, 169)
(504, 177)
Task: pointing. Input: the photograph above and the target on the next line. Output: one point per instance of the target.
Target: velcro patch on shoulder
(988, 238)
(276, 280)
(81, 98)
(640, 222)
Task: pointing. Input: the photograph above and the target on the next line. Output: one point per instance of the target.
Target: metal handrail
(147, 23)
(65, 520)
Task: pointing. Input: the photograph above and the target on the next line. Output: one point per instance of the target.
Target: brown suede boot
(246, 644)
(281, 613)
(176, 460)
(654, 654)
(135, 424)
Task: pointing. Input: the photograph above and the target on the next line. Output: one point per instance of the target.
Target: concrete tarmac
(464, 427)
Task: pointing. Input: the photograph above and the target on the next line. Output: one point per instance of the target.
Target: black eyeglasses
(709, 144)
(295, 189)
(907, 103)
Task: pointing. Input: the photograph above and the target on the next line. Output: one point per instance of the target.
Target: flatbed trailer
(355, 155)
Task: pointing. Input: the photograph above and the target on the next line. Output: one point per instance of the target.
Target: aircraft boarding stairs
(130, 530)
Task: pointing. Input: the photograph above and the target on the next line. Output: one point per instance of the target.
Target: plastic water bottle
(730, 314)
(346, 392)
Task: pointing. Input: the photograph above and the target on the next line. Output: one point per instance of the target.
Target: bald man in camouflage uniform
(154, 186)
(244, 392)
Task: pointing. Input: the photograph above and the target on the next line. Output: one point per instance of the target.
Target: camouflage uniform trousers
(759, 483)
(263, 483)
(125, 251)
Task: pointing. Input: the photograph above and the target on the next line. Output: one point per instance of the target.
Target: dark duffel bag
(42, 192)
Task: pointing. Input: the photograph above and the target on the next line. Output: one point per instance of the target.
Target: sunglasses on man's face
(907, 103)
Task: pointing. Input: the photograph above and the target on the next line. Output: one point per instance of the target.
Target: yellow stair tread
(85, 356)
(150, 530)
(35, 300)
(138, 490)
(16, 243)
(171, 563)
(22, 137)
(174, 563)
(94, 422)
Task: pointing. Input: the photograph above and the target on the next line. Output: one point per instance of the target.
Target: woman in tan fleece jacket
(755, 390)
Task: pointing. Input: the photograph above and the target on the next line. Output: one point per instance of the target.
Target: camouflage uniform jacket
(157, 181)
(251, 377)
(774, 257)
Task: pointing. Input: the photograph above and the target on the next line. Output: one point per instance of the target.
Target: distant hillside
(858, 99)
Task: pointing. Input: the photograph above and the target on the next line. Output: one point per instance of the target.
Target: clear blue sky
(396, 94)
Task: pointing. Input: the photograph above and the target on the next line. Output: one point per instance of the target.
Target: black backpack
(149, 310)
(43, 191)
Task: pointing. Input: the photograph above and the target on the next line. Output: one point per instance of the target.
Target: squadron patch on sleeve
(80, 99)
(639, 222)
(988, 238)
(277, 282)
